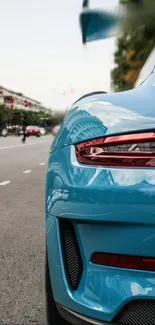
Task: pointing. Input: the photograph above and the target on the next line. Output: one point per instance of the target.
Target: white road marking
(5, 183)
(27, 171)
(24, 145)
(42, 164)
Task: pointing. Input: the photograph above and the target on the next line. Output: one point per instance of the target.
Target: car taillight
(124, 261)
(130, 150)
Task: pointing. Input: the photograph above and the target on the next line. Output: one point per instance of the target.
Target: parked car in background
(3, 132)
(19, 131)
(42, 131)
(55, 129)
(33, 131)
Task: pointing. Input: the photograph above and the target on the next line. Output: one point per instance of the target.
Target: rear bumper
(112, 211)
(78, 319)
(103, 292)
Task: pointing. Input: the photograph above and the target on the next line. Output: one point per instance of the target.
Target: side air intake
(71, 253)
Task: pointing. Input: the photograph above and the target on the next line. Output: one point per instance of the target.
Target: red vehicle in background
(33, 130)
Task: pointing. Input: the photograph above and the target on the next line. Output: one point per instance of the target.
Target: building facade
(20, 101)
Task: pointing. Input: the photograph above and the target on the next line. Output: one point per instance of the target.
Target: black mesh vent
(71, 253)
(140, 312)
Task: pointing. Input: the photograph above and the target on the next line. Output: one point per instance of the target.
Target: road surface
(22, 228)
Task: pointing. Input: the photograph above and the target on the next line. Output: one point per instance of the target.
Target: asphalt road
(22, 229)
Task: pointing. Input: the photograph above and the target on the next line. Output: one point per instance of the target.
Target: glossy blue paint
(106, 114)
(103, 291)
(117, 193)
(118, 208)
(112, 209)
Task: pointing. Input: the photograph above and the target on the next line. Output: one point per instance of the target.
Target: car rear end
(3, 132)
(33, 131)
(37, 132)
(28, 131)
(42, 131)
(101, 228)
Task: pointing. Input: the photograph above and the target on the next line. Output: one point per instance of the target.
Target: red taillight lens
(131, 150)
(123, 261)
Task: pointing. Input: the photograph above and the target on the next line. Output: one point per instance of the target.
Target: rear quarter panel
(107, 114)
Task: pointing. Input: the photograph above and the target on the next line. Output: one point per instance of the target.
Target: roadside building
(18, 100)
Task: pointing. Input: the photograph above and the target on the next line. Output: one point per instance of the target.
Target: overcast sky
(42, 54)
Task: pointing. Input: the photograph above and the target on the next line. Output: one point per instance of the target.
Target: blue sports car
(100, 211)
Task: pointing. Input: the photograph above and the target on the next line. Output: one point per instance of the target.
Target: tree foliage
(135, 43)
(20, 117)
(14, 117)
(6, 114)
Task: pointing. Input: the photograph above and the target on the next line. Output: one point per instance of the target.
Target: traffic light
(26, 103)
(11, 101)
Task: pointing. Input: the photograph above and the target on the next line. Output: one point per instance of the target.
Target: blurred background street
(44, 69)
(22, 190)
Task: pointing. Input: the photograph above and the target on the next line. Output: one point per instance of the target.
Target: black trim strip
(78, 319)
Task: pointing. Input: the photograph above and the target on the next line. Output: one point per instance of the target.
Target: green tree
(135, 43)
(5, 115)
(17, 117)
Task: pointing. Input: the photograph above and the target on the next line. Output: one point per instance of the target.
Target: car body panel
(147, 68)
(3, 132)
(32, 130)
(107, 114)
(42, 130)
(111, 208)
(103, 291)
(70, 184)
